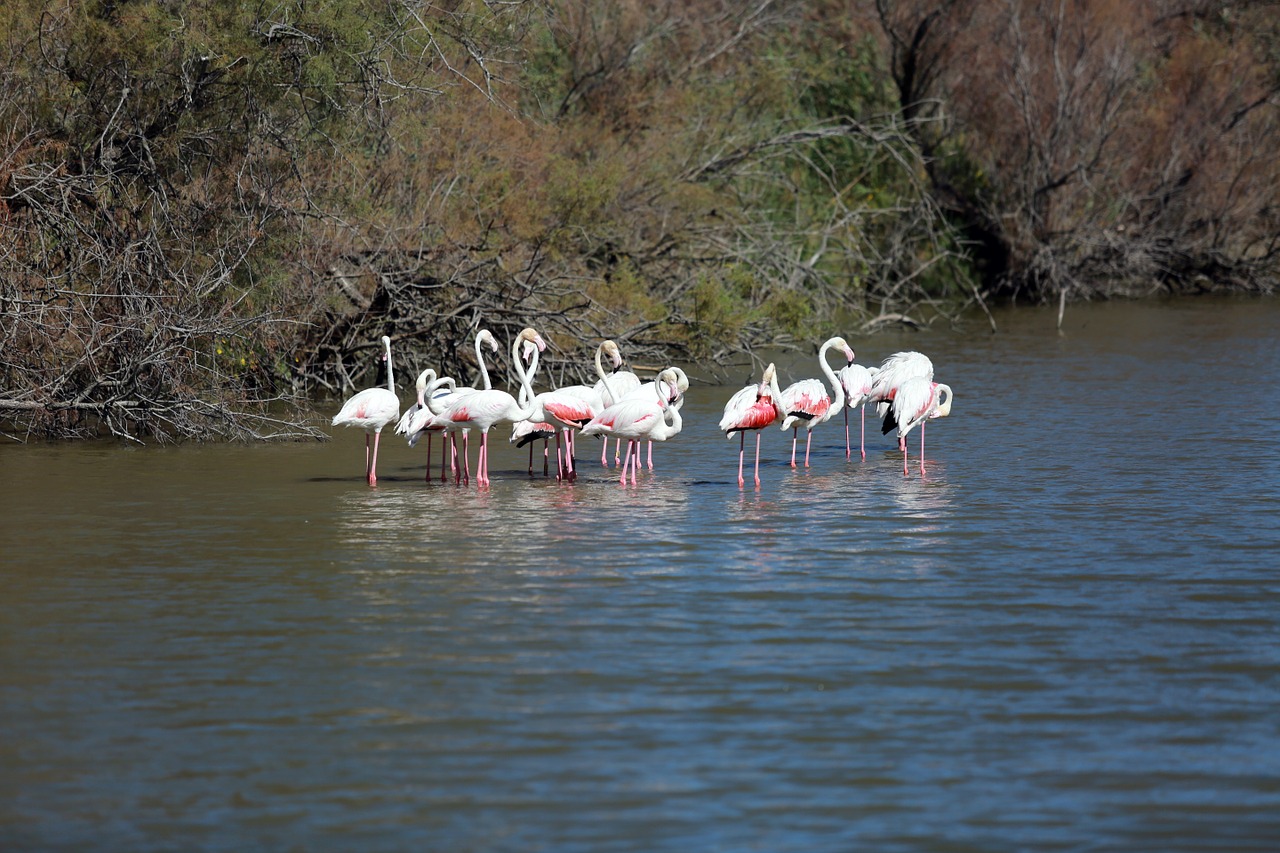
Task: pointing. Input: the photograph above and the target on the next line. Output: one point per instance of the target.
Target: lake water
(1066, 637)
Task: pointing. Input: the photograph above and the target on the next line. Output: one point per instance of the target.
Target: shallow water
(1063, 638)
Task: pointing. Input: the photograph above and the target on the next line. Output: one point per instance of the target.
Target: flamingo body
(371, 410)
(917, 400)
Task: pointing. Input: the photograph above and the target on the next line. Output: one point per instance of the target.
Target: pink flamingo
(681, 383)
(371, 410)
(752, 408)
(437, 403)
(635, 420)
(856, 381)
(917, 400)
(807, 400)
(482, 409)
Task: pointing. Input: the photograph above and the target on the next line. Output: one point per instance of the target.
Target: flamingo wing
(807, 399)
(371, 409)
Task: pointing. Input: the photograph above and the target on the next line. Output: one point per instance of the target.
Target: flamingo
(528, 432)
(414, 424)
(371, 410)
(807, 400)
(569, 408)
(917, 401)
(752, 408)
(437, 403)
(856, 381)
(634, 420)
(893, 371)
(681, 384)
(619, 383)
(482, 409)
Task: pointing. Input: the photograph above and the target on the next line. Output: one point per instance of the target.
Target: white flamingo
(917, 400)
(371, 410)
(856, 380)
(482, 409)
(635, 420)
(807, 401)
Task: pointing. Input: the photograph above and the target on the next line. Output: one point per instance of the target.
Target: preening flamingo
(917, 400)
(752, 408)
(635, 420)
(807, 401)
(482, 409)
(895, 370)
(856, 381)
(371, 410)
(528, 432)
(437, 404)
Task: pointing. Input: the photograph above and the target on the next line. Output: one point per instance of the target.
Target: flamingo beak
(539, 342)
(848, 353)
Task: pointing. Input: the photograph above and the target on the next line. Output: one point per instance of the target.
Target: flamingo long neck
(837, 387)
(391, 380)
(484, 371)
(528, 406)
(604, 379)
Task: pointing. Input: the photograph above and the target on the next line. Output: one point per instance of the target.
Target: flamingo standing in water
(616, 386)
(371, 410)
(917, 401)
(635, 420)
(681, 383)
(893, 371)
(414, 424)
(856, 381)
(807, 401)
(482, 409)
(437, 403)
(569, 408)
(752, 408)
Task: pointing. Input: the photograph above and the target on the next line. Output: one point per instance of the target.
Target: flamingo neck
(484, 371)
(604, 379)
(391, 380)
(837, 387)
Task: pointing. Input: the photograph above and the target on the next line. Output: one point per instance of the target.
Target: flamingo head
(530, 337)
(944, 405)
(682, 381)
(770, 373)
(425, 378)
(486, 337)
(671, 381)
(848, 350)
(610, 349)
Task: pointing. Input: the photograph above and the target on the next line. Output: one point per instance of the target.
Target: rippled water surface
(1065, 637)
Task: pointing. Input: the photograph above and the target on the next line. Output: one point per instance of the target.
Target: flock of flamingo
(622, 407)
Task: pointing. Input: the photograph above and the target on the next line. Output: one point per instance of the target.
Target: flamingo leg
(807, 443)
(482, 467)
(633, 450)
(757, 460)
(446, 443)
(922, 450)
(650, 443)
(545, 457)
(604, 454)
(531, 459)
(742, 443)
(848, 449)
(366, 455)
(622, 479)
(571, 464)
(864, 431)
(793, 446)
(373, 463)
(560, 469)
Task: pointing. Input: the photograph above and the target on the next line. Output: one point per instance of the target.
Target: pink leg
(921, 450)
(373, 463)
(482, 467)
(793, 447)
(848, 449)
(808, 442)
(864, 431)
(622, 479)
(742, 446)
(571, 464)
(650, 443)
(757, 460)
(633, 450)
(604, 454)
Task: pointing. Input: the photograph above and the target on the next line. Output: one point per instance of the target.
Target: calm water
(1066, 638)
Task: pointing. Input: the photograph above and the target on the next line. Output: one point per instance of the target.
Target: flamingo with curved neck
(482, 409)
(807, 402)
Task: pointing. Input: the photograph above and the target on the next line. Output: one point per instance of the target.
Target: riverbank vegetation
(210, 212)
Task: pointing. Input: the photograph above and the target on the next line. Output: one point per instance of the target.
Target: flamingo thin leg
(373, 463)
(864, 432)
(848, 449)
(807, 443)
(793, 446)
(757, 460)
(742, 445)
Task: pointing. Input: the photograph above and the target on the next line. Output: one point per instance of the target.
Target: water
(1063, 638)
